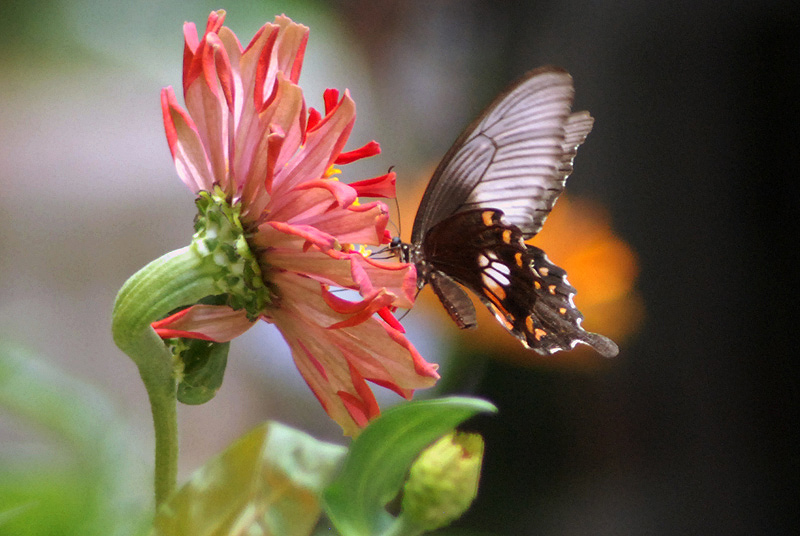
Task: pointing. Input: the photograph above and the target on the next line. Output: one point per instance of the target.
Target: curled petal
(383, 186)
(291, 47)
(302, 204)
(389, 318)
(400, 278)
(357, 312)
(191, 43)
(284, 55)
(314, 118)
(370, 149)
(330, 96)
(362, 224)
(362, 407)
(310, 234)
(344, 194)
(194, 50)
(285, 112)
(218, 323)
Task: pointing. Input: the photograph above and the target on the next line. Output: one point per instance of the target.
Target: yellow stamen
(332, 172)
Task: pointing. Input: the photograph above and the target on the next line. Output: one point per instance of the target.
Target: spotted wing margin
(529, 295)
(515, 157)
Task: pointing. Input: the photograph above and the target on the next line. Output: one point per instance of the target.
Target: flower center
(219, 240)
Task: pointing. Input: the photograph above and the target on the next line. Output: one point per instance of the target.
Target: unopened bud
(443, 481)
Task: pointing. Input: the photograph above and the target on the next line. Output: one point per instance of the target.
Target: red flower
(247, 133)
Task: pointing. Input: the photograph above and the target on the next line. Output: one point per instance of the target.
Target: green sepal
(267, 482)
(379, 459)
(203, 364)
(220, 241)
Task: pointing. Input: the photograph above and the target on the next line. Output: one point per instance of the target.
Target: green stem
(174, 280)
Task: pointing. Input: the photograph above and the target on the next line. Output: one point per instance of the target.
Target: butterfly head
(400, 249)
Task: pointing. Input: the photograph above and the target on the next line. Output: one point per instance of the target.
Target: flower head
(247, 137)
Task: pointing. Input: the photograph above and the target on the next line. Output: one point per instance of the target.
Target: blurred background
(679, 230)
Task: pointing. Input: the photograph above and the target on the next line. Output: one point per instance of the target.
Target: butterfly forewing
(514, 158)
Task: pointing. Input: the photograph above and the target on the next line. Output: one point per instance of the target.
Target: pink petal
(357, 312)
(371, 348)
(301, 205)
(292, 47)
(345, 270)
(362, 224)
(217, 323)
(350, 415)
(383, 186)
(313, 119)
(209, 102)
(320, 204)
(362, 407)
(192, 51)
(320, 149)
(331, 97)
(399, 278)
(343, 193)
(285, 56)
(308, 233)
(265, 73)
(370, 149)
(258, 150)
(389, 318)
(185, 145)
(248, 62)
(286, 111)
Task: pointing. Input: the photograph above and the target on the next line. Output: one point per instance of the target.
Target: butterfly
(492, 191)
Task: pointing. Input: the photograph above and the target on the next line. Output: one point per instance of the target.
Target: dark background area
(694, 153)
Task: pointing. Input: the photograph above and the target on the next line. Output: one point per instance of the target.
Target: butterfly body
(491, 192)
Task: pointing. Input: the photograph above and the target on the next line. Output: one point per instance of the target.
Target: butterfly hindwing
(529, 295)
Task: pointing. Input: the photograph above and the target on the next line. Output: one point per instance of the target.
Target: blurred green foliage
(69, 467)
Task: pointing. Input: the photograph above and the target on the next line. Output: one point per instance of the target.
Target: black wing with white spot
(528, 294)
(515, 157)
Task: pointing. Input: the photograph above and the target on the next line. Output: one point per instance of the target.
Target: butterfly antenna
(409, 310)
(399, 219)
(399, 225)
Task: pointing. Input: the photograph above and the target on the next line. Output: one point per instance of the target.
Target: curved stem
(174, 280)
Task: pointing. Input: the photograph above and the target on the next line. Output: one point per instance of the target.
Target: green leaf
(380, 457)
(70, 465)
(14, 512)
(267, 483)
(203, 369)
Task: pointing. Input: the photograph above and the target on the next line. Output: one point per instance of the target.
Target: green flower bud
(443, 481)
